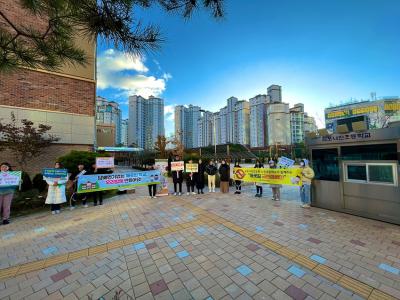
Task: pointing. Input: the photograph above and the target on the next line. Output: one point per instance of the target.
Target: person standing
(259, 187)
(74, 177)
(56, 192)
(200, 178)
(98, 195)
(177, 178)
(152, 187)
(224, 177)
(307, 174)
(190, 181)
(276, 188)
(211, 171)
(6, 195)
(238, 183)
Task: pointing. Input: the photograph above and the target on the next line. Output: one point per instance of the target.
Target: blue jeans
(305, 193)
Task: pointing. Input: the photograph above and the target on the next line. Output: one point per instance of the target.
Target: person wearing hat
(307, 174)
(276, 188)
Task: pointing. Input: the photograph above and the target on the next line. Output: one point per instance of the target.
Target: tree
(179, 148)
(26, 141)
(160, 146)
(113, 21)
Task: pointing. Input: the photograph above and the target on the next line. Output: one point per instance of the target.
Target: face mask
(302, 164)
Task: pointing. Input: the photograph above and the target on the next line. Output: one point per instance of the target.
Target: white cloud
(169, 112)
(126, 73)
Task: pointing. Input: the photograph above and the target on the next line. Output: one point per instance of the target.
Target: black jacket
(224, 172)
(177, 176)
(211, 169)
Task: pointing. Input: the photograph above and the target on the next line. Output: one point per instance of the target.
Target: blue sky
(319, 51)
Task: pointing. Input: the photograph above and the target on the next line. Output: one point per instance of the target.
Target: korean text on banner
(104, 162)
(177, 166)
(269, 176)
(192, 168)
(121, 181)
(10, 178)
(53, 173)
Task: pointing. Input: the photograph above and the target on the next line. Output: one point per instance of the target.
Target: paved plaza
(209, 246)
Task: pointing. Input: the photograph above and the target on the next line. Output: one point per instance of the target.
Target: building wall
(105, 134)
(124, 132)
(258, 121)
(278, 124)
(146, 121)
(275, 93)
(108, 112)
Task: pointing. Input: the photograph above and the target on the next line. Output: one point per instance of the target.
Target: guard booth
(358, 173)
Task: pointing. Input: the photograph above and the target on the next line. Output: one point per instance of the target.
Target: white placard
(104, 162)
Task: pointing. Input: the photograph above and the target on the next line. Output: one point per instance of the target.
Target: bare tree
(25, 142)
(161, 145)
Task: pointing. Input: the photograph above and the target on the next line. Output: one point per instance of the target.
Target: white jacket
(56, 194)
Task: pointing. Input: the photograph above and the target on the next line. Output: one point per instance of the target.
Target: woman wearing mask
(259, 187)
(307, 174)
(224, 177)
(276, 188)
(177, 178)
(56, 192)
(238, 183)
(200, 178)
(6, 195)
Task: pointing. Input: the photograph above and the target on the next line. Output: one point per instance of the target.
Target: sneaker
(202, 192)
(257, 195)
(305, 205)
(72, 208)
(86, 206)
(53, 212)
(5, 222)
(194, 193)
(154, 197)
(175, 194)
(180, 194)
(187, 193)
(58, 211)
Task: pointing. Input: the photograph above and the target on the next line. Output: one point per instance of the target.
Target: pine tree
(113, 21)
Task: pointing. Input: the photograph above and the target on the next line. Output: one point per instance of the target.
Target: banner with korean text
(120, 181)
(290, 176)
(10, 178)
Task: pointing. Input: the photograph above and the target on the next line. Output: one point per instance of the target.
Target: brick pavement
(199, 247)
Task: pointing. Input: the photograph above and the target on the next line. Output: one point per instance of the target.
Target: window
(372, 173)
(325, 164)
(370, 152)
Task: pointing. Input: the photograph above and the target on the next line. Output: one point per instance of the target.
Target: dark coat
(211, 169)
(224, 172)
(177, 176)
(200, 177)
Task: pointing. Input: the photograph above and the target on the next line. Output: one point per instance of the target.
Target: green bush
(26, 182)
(39, 183)
(72, 159)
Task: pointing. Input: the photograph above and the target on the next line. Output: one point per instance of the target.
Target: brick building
(65, 99)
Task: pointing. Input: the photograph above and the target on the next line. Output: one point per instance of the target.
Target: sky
(321, 52)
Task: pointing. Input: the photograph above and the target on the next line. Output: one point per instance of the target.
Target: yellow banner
(270, 176)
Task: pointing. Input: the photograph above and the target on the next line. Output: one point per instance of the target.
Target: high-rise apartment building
(205, 129)
(297, 123)
(258, 121)
(223, 125)
(278, 124)
(309, 124)
(275, 93)
(241, 126)
(146, 121)
(63, 99)
(124, 132)
(216, 127)
(186, 127)
(108, 112)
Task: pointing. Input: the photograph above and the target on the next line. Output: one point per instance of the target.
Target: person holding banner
(190, 180)
(152, 187)
(177, 179)
(98, 195)
(6, 195)
(224, 177)
(238, 183)
(56, 191)
(211, 170)
(200, 178)
(74, 177)
(259, 187)
(307, 174)
(276, 188)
